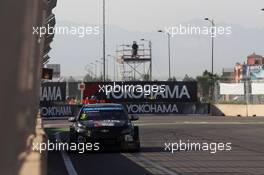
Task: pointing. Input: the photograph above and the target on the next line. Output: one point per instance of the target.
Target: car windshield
(102, 114)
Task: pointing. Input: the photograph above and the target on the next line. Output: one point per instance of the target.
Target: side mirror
(72, 119)
(133, 117)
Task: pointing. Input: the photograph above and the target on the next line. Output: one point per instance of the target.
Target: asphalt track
(245, 158)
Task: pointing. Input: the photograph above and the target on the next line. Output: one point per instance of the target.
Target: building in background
(228, 74)
(238, 72)
(56, 70)
(242, 84)
(255, 59)
(253, 70)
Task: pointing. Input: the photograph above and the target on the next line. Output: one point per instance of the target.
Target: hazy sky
(134, 19)
(147, 15)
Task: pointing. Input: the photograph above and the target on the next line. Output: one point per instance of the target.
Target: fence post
(247, 95)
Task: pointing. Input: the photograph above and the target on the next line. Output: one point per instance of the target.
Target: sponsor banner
(52, 92)
(257, 88)
(62, 111)
(254, 72)
(125, 92)
(59, 111)
(232, 89)
(167, 108)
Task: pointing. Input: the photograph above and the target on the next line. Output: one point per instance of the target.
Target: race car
(106, 124)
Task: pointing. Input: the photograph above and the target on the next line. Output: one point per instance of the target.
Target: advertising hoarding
(167, 108)
(125, 92)
(52, 92)
(257, 88)
(232, 89)
(138, 97)
(254, 72)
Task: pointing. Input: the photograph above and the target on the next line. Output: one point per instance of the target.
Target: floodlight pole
(104, 79)
(212, 36)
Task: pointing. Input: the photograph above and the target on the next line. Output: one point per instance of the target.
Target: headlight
(129, 138)
(81, 126)
(128, 129)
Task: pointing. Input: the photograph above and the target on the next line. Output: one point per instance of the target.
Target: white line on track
(66, 158)
(151, 163)
(201, 123)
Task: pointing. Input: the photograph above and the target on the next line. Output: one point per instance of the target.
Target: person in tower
(134, 49)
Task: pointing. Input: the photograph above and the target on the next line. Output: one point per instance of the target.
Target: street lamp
(95, 69)
(88, 69)
(212, 36)
(169, 50)
(114, 61)
(105, 67)
(104, 42)
(212, 70)
(150, 47)
(102, 64)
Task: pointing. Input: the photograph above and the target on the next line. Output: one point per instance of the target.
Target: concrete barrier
(35, 162)
(238, 110)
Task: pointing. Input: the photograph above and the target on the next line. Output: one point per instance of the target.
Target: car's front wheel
(137, 147)
(72, 137)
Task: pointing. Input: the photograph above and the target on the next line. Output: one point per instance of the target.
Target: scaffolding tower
(137, 67)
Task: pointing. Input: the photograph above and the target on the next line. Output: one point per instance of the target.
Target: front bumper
(123, 141)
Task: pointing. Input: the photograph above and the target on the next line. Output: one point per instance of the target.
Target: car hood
(104, 123)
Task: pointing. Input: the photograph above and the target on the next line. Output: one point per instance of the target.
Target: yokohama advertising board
(125, 92)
